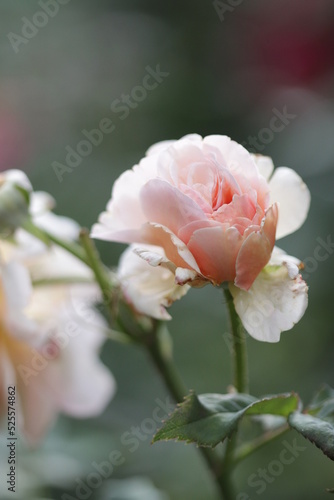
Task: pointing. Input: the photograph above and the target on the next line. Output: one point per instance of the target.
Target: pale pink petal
(165, 205)
(176, 251)
(215, 251)
(124, 210)
(287, 188)
(256, 250)
(186, 232)
(232, 155)
(264, 164)
(240, 206)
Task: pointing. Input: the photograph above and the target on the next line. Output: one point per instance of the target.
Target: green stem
(177, 389)
(166, 369)
(240, 367)
(47, 238)
(240, 373)
(247, 449)
(69, 280)
(94, 262)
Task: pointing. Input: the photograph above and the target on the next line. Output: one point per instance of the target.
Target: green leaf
(322, 405)
(318, 431)
(210, 418)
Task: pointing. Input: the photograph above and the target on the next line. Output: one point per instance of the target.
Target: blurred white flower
(148, 286)
(50, 333)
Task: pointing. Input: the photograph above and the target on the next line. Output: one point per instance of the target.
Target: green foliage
(210, 418)
(317, 423)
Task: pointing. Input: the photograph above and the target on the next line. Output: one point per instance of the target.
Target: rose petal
(264, 164)
(166, 205)
(287, 188)
(256, 250)
(273, 304)
(148, 289)
(215, 250)
(176, 251)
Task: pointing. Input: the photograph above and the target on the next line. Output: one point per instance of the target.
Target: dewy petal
(256, 250)
(273, 304)
(287, 188)
(264, 164)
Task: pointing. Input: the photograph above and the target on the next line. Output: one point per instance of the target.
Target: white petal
(272, 305)
(279, 257)
(55, 262)
(60, 226)
(183, 276)
(41, 202)
(264, 164)
(287, 188)
(16, 177)
(148, 289)
(86, 383)
(154, 257)
(17, 285)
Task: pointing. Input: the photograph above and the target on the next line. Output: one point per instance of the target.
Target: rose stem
(47, 238)
(240, 371)
(240, 365)
(178, 391)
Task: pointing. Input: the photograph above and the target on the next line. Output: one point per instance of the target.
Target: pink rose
(209, 204)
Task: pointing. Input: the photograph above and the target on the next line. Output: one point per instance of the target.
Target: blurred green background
(229, 69)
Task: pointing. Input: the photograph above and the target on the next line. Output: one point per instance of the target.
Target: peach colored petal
(240, 206)
(176, 251)
(166, 205)
(256, 250)
(215, 251)
(186, 232)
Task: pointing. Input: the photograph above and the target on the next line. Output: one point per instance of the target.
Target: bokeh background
(230, 65)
